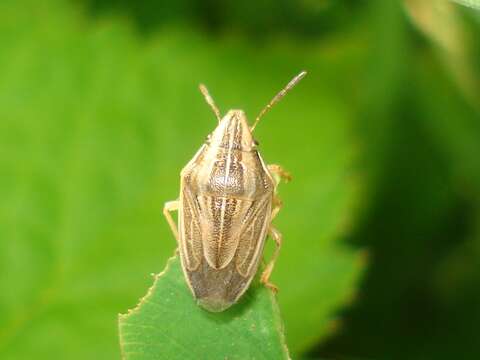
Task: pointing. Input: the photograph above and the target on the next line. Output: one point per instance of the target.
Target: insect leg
(279, 173)
(277, 237)
(169, 207)
(277, 205)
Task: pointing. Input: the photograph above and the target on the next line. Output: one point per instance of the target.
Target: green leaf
(168, 324)
(96, 124)
(443, 24)
(474, 4)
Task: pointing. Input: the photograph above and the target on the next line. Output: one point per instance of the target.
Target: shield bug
(226, 205)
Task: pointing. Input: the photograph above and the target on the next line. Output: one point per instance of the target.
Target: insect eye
(207, 139)
(256, 142)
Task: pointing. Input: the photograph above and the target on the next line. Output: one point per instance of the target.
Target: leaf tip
(149, 292)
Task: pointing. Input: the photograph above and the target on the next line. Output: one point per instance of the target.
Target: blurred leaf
(417, 217)
(258, 20)
(454, 124)
(96, 125)
(443, 25)
(168, 324)
(474, 4)
(382, 81)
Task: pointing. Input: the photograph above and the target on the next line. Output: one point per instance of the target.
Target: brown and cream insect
(227, 203)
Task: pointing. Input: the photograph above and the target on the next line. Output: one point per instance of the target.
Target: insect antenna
(210, 102)
(278, 97)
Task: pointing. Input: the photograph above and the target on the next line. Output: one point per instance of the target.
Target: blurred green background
(99, 111)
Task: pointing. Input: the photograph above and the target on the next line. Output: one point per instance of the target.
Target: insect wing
(252, 235)
(190, 229)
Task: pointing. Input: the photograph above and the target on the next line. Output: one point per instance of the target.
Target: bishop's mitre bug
(227, 203)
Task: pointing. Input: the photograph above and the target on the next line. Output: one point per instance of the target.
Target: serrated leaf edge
(143, 299)
(280, 327)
